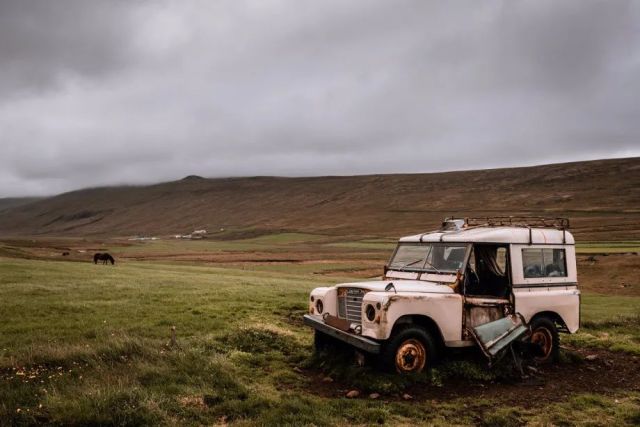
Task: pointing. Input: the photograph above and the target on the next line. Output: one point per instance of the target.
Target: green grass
(112, 325)
(368, 244)
(80, 297)
(598, 308)
(593, 410)
(611, 322)
(284, 238)
(608, 247)
(169, 245)
(306, 268)
(173, 246)
(82, 344)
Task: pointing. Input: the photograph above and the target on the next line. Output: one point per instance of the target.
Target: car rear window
(537, 262)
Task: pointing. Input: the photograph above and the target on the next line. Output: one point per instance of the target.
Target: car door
(486, 294)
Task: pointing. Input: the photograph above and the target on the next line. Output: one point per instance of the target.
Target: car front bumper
(360, 342)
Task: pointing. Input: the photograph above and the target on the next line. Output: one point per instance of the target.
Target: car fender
(444, 309)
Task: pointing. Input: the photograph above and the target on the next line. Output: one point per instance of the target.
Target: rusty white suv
(475, 281)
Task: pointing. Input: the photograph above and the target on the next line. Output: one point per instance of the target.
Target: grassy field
(89, 344)
(608, 247)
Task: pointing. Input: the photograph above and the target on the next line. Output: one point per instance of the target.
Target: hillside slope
(602, 198)
(12, 202)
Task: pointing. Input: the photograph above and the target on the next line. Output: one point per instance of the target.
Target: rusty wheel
(542, 338)
(411, 356)
(409, 350)
(545, 336)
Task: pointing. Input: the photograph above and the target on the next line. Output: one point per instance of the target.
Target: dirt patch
(588, 371)
(608, 373)
(192, 401)
(612, 274)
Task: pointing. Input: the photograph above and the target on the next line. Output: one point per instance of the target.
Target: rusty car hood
(400, 286)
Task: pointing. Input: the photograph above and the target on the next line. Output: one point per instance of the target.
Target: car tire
(545, 334)
(410, 350)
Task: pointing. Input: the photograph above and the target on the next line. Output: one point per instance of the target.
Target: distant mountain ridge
(602, 199)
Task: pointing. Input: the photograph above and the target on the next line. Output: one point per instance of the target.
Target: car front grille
(350, 304)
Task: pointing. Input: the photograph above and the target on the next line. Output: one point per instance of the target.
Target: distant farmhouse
(194, 235)
(142, 238)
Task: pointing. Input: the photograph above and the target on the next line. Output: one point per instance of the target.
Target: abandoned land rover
(483, 282)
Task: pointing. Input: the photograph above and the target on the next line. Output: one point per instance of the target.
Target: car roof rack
(517, 221)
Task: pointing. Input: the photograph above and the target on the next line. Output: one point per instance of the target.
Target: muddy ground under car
(463, 378)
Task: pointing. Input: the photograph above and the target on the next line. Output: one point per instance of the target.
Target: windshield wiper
(403, 266)
(433, 266)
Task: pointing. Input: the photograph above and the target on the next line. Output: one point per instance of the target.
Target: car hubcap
(411, 356)
(544, 339)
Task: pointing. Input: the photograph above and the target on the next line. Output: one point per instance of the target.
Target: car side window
(538, 262)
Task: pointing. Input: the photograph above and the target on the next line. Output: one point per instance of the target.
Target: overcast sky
(108, 92)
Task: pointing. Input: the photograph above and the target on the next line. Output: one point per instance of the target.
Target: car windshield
(438, 257)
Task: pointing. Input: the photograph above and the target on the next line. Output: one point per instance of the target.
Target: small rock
(374, 395)
(407, 396)
(591, 357)
(353, 394)
(327, 380)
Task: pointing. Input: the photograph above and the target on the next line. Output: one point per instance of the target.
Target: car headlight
(370, 312)
(319, 306)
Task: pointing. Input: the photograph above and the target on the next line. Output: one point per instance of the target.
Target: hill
(12, 202)
(600, 197)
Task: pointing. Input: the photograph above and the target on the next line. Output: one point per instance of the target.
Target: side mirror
(389, 287)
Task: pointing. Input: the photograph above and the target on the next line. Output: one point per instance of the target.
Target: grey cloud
(42, 42)
(115, 91)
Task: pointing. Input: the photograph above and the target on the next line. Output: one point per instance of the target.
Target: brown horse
(104, 257)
